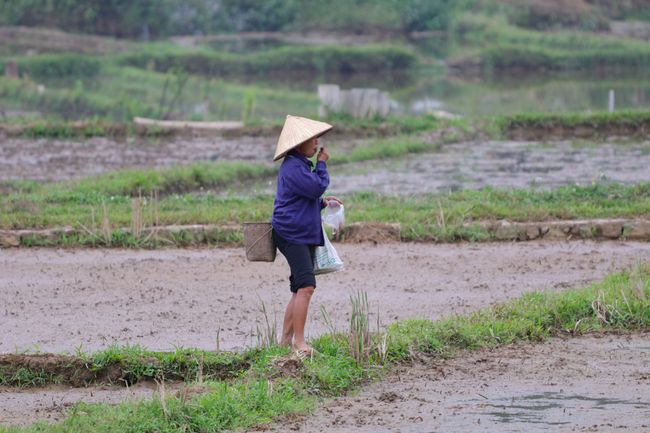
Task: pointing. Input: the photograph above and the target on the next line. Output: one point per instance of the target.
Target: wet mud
(499, 164)
(51, 404)
(466, 165)
(55, 160)
(58, 301)
(595, 383)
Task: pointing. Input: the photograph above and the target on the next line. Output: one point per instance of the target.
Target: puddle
(507, 164)
(542, 408)
(582, 384)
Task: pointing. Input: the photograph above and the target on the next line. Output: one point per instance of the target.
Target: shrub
(59, 66)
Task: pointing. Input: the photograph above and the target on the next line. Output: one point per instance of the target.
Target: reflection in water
(429, 89)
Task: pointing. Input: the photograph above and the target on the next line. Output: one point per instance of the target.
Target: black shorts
(301, 262)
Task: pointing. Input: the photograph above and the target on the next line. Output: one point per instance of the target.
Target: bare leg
(287, 326)
(300, 308)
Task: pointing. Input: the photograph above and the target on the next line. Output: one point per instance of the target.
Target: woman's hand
(323, 155)
(332, 198)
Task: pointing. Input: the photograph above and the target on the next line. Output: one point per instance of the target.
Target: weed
(266, 335)
(359, 337)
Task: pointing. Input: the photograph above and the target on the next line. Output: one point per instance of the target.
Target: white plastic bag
(334, 216)
(326, 259)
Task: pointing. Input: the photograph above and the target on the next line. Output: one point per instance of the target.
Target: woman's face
(309, 147)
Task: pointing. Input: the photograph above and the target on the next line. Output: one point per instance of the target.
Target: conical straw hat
(297, 130)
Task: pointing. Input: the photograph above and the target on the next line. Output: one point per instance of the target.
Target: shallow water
(458, 166)
(498, 164)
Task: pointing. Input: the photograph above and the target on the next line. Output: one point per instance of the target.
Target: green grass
(633, 121)
(501, 46)
(443, 217)
(331, 58)
(120, 93)
(23, 377)
(48, 66)
(128, 365)
(621, 302)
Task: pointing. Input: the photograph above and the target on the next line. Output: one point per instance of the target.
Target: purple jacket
(298, 202)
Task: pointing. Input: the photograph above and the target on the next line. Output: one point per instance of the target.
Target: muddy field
(589, 384)
(466, 165)
(499, 164)
(54, 160)
(596, 383)
(65, 300)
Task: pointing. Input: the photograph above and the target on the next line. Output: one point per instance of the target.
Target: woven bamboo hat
(297, 130)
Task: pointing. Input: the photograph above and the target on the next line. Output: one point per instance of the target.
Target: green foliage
(601, 124)
(25, 377)
(505, 46)
(284, 59)
(139, 18)
(122, 18)
(255, 15)
(119, 93)
(52, 66)
(174, 180)
(137, 364)
(422, 15)
(548, 14)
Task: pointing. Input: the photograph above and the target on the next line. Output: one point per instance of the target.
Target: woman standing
(296, 218)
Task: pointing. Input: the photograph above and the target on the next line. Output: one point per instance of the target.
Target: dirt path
(63, 300)
(588, 384)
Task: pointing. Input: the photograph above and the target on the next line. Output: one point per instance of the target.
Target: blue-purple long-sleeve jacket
(298, 202)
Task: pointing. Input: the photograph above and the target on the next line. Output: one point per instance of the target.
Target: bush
(59, 66)
(546, 14)
(285, 59)
(421, 15)
(255, 15)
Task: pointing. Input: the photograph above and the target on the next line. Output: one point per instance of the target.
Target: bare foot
(285, 343)
(307, 352)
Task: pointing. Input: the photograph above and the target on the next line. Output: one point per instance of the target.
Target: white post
(612, 100)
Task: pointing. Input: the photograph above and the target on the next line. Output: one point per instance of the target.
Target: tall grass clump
(359, 337)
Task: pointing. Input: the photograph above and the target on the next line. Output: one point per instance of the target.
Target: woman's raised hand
(322, 154)
(332, 198)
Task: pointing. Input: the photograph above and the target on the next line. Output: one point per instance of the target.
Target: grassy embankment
(621, 302)
(161, 80)
(100, 207)
(492, 43)
(117, 94)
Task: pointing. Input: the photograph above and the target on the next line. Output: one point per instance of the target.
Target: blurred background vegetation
(254, 60)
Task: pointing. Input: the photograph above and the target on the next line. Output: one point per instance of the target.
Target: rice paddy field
(439, 322)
